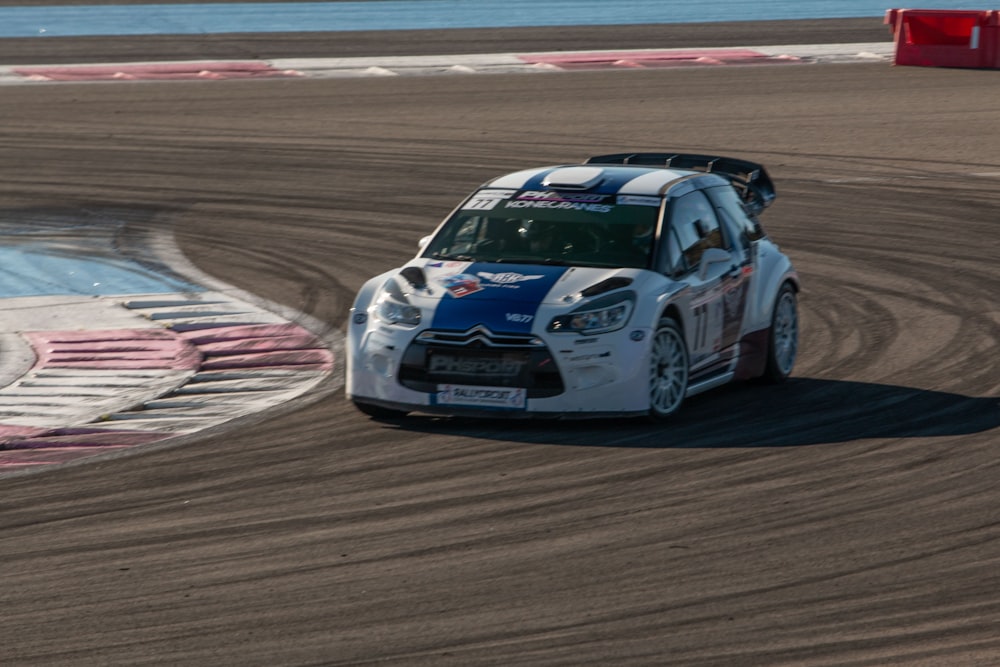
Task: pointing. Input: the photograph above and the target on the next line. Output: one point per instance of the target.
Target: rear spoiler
(749, 178)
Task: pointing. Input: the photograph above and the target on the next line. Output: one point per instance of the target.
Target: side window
(463, 236)
(467, 235)
(693, 220)
(729, 203)
(670, 261)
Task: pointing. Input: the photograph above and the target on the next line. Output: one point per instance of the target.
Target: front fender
(358, 320)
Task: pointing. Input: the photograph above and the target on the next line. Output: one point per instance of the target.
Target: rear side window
(693, 220)
(728, 202)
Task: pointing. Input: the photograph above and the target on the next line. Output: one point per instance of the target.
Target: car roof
(600, 179)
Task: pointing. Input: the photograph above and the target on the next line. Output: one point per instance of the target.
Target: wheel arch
(767, 294)
(775, 370)
(674, 312)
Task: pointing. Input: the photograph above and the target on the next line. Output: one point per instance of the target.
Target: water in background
(66, 21)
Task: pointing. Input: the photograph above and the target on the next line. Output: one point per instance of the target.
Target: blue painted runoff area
(37, 271)
(187, 19)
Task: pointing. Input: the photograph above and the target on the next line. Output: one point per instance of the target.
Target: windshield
(531, 227)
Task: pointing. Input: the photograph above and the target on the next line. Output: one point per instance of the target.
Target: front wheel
(668, 370)
(783, 343)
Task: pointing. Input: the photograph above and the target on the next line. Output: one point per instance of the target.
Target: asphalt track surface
(847, 517)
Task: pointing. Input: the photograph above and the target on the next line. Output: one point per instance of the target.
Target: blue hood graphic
(501, 297)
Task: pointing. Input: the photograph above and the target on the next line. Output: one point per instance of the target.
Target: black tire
(783, 338)
(378, 413)
(669, 366)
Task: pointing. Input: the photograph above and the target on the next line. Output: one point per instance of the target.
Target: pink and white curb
(82, 376)
(206, 361)
(494, 63)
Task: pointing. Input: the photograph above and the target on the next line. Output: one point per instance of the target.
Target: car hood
(506, 297)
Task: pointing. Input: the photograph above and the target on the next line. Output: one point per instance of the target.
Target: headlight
(597, 318)
(391, 312)
(392, 306)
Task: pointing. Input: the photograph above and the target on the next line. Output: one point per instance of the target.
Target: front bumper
(478, 372)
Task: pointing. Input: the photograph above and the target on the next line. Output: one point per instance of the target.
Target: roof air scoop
(573, 178)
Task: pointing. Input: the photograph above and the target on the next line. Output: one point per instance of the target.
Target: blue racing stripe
(502, 297)
(611, 181)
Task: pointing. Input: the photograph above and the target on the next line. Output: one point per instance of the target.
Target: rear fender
(773, 270)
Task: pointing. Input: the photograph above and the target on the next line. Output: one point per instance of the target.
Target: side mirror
(710, 258)
(422, 243)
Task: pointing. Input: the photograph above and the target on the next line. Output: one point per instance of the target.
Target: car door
(698, 256)
(743, 230)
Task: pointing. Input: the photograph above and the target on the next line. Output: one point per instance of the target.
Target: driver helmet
(538, 233)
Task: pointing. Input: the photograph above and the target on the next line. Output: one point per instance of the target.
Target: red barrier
(945, 37)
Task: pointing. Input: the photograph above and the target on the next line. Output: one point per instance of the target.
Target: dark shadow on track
(802, 411)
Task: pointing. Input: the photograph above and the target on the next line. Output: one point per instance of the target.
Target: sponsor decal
(499, 193)
(481, 204)
(590, 356)
(491, 397)
(519, 317)
(460, 284)
(734, 303)
(535, 195)
(463, 284)
(496, 367)
(487, 200)
(507, 277)
(574, 206)
(638, 200)
(446, 264)
(709, 320)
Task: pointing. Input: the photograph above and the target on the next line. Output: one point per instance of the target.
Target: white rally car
(619, 286)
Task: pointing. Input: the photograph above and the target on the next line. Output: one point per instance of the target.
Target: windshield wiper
(453, 258)
(530, 260)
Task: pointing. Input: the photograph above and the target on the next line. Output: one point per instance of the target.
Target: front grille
(479, 336)
(482, 358)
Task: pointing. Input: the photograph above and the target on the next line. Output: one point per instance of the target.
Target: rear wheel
(668, 370)
(783, 343)
(378, 413)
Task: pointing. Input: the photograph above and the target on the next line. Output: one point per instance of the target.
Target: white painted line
(473, 63)
(862, 50)
(67, 399)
